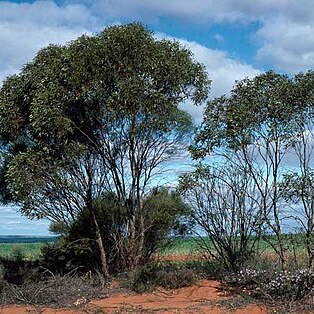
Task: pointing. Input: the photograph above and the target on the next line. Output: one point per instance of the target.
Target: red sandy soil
(205, 297)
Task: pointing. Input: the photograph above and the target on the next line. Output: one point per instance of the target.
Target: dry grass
(54, 291)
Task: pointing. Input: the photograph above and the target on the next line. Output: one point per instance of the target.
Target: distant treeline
(26, 239)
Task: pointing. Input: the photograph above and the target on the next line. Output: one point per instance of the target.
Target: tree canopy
(118, 81)
(95, 116)
(267, 103)
(265, 121)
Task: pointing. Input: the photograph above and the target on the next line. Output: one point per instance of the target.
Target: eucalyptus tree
(255, 124)
(98, 115)
(225, 207)
(297, 186)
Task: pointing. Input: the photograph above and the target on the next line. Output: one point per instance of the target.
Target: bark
(99, 240)
(141, 240)
(98, 237)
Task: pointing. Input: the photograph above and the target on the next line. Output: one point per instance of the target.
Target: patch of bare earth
(206, 296)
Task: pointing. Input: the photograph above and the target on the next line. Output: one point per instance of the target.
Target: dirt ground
(206, 296)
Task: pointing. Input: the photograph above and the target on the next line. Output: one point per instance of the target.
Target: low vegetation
(29, 251)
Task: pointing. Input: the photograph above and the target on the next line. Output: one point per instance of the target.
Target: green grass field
(293, 242)
(185, 246)
(32, 251)
(29, 251)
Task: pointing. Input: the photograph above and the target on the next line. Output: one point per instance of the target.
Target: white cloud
(45, 13)
(285, 37)
(151, 10)
(219, 38)
(222, 70)
(13, 223)
(25, 28)
(203, 10)
(287, 45)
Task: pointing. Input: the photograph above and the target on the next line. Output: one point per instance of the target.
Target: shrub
(142, 279)
(289, 285)
(66, 256)
(55, 291)
(176, 278)
(265, 280)
(223, 210)
(29, 282)
(169, 276)
(162, 213)
(15, 270)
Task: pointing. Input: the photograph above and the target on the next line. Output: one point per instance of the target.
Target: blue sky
(233, 38)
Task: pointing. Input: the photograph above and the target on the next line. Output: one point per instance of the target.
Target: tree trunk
(140, 249)
(103, 257)
(92, 210)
